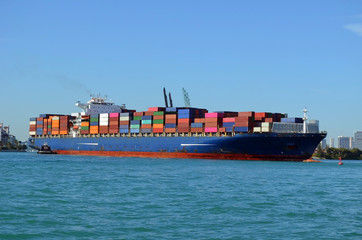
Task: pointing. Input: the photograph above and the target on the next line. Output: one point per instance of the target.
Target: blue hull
(255, 146)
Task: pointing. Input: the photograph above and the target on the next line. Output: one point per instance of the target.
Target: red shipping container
(199, 120)
(138, 114)
(170, 130)
(246, 114)
(270, 120)
(103, 129)
(146, 126)
(156, 109)
(39, 119)
(211, 125)
(81, 132)
(170, 121)
(228, 119)
(170, 116)
(222, 130)
(114, 118)
(184, 120)
(123, 122)
(259, 119)
(149, 113)
(113, 130)
(183, 129)
(113, 123)
(157, 130)
(159, 117)
(196, 130)
(183, 124)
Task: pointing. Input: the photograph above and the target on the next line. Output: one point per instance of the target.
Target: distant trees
(336, 153)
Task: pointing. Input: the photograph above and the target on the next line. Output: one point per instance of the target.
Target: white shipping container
(123, 118)
(103, 123)
(32, 133)
(257, 129)
(55, 118)
(266, 124)
(265, 129)
(32, 123)
(103, 115)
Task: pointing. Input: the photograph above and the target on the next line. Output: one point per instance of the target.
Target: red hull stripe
(183, 155)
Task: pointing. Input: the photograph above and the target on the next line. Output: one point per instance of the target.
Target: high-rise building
(323, 143)
(357, 140)
(331, 142)
(343, 142)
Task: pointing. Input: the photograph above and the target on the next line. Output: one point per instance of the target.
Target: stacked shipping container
(162, 120)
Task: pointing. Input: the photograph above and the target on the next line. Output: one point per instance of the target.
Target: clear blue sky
(276, 56)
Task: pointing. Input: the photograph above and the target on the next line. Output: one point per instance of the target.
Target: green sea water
(81, 197)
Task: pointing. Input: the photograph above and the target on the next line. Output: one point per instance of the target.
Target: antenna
(165, 96)
(305, 118)
(186, 98)
(169, 95)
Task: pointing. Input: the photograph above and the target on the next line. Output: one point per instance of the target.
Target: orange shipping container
(84, 124)
(146, 126)
(158, 125)
(63, 132)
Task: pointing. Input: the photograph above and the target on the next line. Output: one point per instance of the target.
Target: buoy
(340, 161)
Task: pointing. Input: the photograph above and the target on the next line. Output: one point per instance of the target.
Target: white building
(357, 140)
(344, 142)
(331, 142)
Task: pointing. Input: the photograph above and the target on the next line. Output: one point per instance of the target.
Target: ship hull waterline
(269, 147)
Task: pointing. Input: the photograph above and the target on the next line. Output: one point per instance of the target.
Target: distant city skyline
(271, 56)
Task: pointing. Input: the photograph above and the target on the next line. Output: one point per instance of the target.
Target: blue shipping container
(122, 130)
(135, 122)
(135, 130)
(229, 129)
(32, 119)
(197, 125)
(146, 130)
(124, 126)
(171, 109)
(170, 125)
(241, 129)
(228, 124)
(146, 117)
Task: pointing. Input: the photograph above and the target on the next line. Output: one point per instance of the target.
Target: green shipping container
(94, 120)
(160, 113)
(84, 128)
(158, 121)
(135, 126)
(137, 118)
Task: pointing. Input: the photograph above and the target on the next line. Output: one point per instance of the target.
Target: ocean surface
(81, 197)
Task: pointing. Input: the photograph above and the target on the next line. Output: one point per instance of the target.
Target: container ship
(103, 128)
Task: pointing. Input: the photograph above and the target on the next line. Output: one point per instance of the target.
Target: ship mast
(305, 118)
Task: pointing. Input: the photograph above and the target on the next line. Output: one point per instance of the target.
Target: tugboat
(45, 149)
